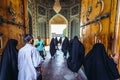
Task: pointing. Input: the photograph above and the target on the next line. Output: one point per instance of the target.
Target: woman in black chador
(52, 47)
(65, 46)
(76, 58)
(8, 65)
(70, 49)
(56, 43)
(60, 40)
(99, 66)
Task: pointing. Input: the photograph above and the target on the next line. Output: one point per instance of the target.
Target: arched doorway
(41, 27)
(58, 25)
(75, 28)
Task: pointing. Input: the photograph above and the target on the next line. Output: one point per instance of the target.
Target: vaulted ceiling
(64, 3)
(58, 19)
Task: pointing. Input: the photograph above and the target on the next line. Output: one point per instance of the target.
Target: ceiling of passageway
(64, 3)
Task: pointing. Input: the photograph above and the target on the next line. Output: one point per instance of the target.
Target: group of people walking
(26, 63)
(54, 46)
(97, 64)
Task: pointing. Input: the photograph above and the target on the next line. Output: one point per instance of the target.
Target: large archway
(75, 28)
(58, 24)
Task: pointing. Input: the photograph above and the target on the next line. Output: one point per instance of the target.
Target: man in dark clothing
(65, 46)
(8, 65)
(99, 66)
(77, 55)
(52, 48)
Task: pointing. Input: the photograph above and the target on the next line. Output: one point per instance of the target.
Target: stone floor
(56, 68)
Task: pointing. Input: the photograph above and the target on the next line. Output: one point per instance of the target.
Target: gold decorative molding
(98, 33)
(101, 2)
(96, 19)
(12, 12)
(88, 12)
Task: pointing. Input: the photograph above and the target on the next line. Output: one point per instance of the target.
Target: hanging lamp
(57, 6)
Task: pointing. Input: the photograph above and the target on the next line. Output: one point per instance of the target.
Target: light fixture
(57, 6)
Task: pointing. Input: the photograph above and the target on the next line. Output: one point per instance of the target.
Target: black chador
(65, 46)
(99, 66)
(52, 47)
(75, 61)
(8, 65)
(56, 41)
(60, 40)
(70, 49)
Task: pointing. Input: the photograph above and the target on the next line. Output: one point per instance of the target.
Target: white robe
(28, 59)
